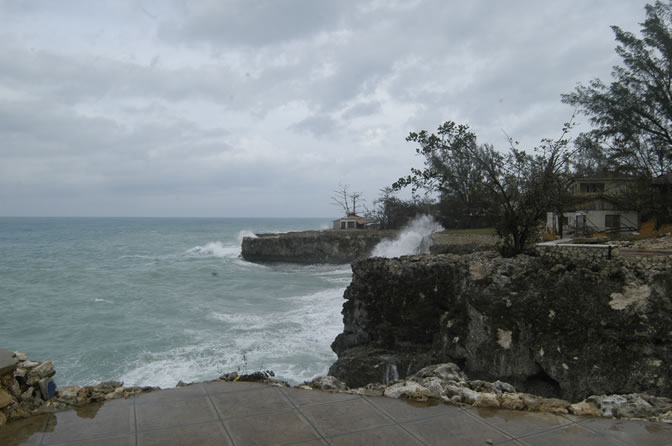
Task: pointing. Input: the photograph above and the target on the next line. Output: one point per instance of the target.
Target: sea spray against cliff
(415, 238)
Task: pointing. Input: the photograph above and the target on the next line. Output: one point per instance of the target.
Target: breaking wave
(214, 249)
(415, 238)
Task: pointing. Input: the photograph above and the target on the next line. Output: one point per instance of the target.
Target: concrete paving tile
(405, 410)
(262, 400)
(24, 432)
(178, 393)
(213, 387)
(571, 435)
(270, 429)
(119, 440)
(455, 429)
(386, 435)
(303, 397)
(206, 434)
(519, 423)
(344, 416)
(310, 443)
(172, 413)
(631, 432)
(99, 420)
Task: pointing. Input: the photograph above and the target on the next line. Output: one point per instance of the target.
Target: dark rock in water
(256, 376)
(586, 328)
(331, 246)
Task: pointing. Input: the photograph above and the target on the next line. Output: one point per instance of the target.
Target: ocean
(152, 301)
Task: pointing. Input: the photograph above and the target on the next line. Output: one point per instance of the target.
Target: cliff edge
(565, 329)
(329, 246)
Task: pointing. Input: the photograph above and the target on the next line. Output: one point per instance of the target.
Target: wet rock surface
(557, 329)
(29, 390)
(329, 246)
(448, 383)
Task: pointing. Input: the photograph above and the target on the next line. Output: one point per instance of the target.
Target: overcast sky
(234, 108)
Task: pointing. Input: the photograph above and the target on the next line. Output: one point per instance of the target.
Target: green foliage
(517, 187)
(450, 172)
(632, 116)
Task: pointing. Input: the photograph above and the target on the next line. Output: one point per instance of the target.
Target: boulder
(7, 362)
(5, 399)
(410, 390)
(44, 370)
(583, 409)
(328, 383)
(487, 399)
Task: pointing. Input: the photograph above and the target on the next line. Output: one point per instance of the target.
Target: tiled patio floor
(221, 413)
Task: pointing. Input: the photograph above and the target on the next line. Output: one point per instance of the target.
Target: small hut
(352, 221)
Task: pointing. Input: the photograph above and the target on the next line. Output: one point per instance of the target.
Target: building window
(351, 224)
(591, 187)
(612, 221)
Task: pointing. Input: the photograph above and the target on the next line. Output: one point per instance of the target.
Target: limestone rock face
(567, 330)
(331, 246)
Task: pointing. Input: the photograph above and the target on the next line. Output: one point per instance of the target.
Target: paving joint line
(219, 417)
(44, 428)
(135, 422)
(497, 428)
(303, 416)
(394, 421)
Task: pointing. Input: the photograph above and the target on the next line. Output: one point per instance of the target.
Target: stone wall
(570, 252)
(565, 329)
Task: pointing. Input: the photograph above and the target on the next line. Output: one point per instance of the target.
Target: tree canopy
(515, 187)
(632, 116)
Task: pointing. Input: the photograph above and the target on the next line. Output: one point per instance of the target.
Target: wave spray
(415, 238)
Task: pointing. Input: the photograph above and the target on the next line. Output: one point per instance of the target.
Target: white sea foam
(214, 249)
(245, 233)
(198, 362)
(97, 300)
(415, 238)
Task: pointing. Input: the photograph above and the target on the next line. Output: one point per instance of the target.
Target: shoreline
(21, 393)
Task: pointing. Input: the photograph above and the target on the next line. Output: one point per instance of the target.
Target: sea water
(157, 300)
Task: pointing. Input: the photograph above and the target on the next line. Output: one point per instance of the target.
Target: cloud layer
(261, 108)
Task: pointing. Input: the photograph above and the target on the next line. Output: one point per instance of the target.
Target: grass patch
(487, 231)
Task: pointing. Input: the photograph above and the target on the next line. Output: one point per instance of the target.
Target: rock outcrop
(26, 389)
(566, 330)
(449, 384)
(330, 246)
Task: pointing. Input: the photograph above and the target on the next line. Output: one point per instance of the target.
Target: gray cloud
(169, 108)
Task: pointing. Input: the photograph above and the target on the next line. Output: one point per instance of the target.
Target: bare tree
(346, 200)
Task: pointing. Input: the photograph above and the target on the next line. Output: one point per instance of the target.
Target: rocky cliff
(331, 246)
(569, 329)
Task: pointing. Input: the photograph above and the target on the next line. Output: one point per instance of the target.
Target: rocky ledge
(559, 329)
(26, 389)
(329, 246)
(448, 384)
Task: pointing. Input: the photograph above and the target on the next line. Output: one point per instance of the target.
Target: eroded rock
(551, 327)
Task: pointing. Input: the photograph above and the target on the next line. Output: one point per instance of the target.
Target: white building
(597, 208)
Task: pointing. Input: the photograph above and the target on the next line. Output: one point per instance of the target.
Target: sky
(250, 108)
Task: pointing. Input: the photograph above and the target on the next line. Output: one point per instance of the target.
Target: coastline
(427, 387)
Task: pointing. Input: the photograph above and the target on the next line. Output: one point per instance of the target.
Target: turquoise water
(154, 301)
